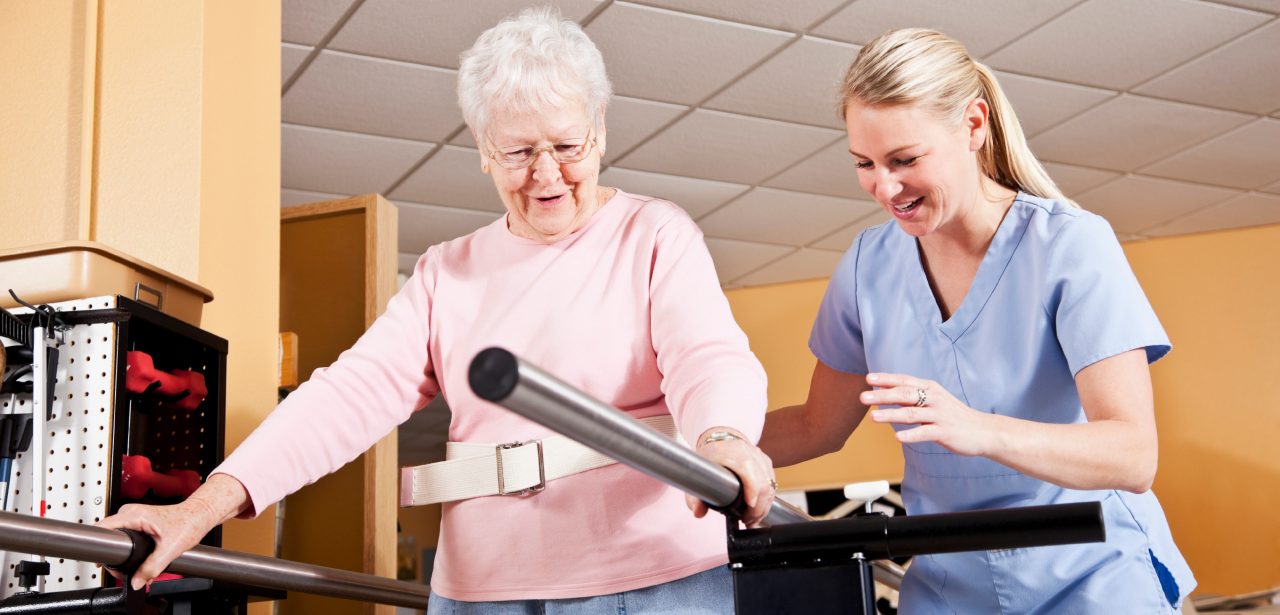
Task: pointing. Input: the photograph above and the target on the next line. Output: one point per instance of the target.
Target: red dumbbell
(142, 376)
(137, 477)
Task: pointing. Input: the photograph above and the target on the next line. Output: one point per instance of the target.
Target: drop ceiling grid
(745, 47)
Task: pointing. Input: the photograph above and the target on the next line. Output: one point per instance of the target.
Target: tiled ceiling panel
(308, 21)
(843, 238)
(1269, 6)
(434, 31)
(779, 216)
(1118, 44)
(727, 147)
(648, 51)
(1242, 211)
(804, 264)
(1134, 204)
(1273, 188)
(983, 25)
(1129, 132)
(781, 14)
(452, 177)
(320, 160)
(696, 196)
(829, 171)
(374, 96)
(1243, 75)
(1247, 157)
(421, 226)
(1041, 103)
(800, 84)
(291, 57)
(1073, 180)
(737, 258)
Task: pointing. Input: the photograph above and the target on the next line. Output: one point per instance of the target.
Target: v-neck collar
(990, 270)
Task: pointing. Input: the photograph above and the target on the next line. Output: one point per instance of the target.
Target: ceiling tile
(452, 177)
(1073, 180)
(781, 14)
(291, 57)
(1128, 132)
(696, 196)
(804, 264)
(800, 84)
(421, 226)
(648, 51)
(1118, 44)
(843, 238)
(1247, 157)
(632, 120)
(1273, 188)
(783, 217)
(829, 172)
(1240, 75)
(290, 198)
(1241, 211)
(736, 258)
(319, 160)
(1041, 103)
(308, 21)
(432, 32)
(982, 25)
(374, 96)
(1134, 204)
(727, 147)
(1270, 6)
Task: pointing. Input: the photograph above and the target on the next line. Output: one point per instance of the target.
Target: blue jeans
(705, 593)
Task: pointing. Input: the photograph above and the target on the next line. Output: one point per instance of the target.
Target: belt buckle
(542, 472)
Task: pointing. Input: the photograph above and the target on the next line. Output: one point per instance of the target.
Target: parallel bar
(498, 376)
(53, 538)
(879, 537)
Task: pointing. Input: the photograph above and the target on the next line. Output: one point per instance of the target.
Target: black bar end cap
(493, 374)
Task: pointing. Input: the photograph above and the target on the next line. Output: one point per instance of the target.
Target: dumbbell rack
(95, 421)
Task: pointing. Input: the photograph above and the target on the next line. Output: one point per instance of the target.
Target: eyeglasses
(519, 157)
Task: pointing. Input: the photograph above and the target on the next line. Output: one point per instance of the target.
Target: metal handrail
(500, 377)
(54, 538)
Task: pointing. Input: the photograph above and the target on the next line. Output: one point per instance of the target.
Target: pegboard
(76, 443)
(96, 422)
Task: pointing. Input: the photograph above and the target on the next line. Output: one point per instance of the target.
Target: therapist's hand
(942, 418)
(752, 466)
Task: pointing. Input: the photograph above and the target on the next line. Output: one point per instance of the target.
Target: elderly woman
(612, 292)
(997, 326)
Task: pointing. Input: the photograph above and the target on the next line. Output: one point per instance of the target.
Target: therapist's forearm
(790, 438)
(1101, 454)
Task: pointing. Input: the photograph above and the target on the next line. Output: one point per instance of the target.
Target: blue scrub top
(1053, 295)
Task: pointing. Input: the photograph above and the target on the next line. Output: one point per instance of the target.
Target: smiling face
(922, 170)
(548, 200)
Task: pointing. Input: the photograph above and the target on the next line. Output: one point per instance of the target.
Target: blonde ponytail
(915, 66)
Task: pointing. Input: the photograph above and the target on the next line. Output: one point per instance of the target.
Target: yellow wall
(1217, 406)
(1217, 403)
(153, 127)
(777, 319)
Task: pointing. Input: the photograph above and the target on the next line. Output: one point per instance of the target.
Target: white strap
(472, 470)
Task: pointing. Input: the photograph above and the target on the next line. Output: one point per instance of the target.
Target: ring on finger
(922, 397)
(773, 483)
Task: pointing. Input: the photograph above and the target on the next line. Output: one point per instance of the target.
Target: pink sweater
(628, 309)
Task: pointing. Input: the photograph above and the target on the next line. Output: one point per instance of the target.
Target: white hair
(529, 63)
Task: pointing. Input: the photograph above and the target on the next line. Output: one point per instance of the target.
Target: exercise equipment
(137, 477)
(186, 386)
(796, 565)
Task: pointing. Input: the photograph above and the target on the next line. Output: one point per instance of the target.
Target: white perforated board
(76, 444)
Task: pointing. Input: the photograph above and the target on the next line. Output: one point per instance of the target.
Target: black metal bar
(877, 536)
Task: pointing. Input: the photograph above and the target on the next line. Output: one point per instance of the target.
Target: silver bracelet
(720, 436)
